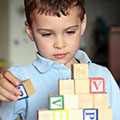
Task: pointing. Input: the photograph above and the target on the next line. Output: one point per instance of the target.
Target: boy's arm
(8, 92)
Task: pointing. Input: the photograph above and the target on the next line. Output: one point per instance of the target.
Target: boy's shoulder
(96, 70)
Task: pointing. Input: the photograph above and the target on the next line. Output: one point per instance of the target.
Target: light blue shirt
(45, 74)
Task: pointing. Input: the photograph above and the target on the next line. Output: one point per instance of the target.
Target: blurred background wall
(17, 49)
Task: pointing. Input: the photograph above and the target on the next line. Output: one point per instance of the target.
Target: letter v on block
(97, 85)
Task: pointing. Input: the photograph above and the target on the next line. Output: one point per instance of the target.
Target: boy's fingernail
(15, 98)
(18, 92)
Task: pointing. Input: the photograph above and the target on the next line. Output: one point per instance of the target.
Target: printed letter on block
(23, 92)
(56, 102)
(97, 85)
(90, 114)
(61, 115)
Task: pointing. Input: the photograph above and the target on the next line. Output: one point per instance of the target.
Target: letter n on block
(90, 114)
(97, 85)
(60, 115)
(56, 102)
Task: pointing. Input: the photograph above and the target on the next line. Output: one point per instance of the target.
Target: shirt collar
(44, 64)
(82, 57)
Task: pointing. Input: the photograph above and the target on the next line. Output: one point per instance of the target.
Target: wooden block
(80, 71)
(75, 114)
(100, 100)
(85, 100)
(97, 85)
(82, 86)
(44, 115)
(60, 115)
(66, 87)
(71, 102)
(26, 88)
(105, 114)
(56, 102)
(90, 114)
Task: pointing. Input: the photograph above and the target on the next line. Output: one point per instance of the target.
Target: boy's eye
(46, 34)
(70, 32)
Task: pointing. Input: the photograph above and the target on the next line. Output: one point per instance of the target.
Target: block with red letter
(97, 85)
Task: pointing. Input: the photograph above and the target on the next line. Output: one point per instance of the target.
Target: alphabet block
(24, 94)
(56, 102)
(80, 71)
(71, 102)
(75, 114)
(105, 114)
(45, 115)
(97, 85)
(26, 88)
(90, 114)
(100, 100)
(60, 115)
(85, 100)
(82, 86)
(66, 87)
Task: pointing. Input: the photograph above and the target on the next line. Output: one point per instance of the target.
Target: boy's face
(57, 38)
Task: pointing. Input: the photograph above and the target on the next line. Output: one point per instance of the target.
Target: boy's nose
(60, 43)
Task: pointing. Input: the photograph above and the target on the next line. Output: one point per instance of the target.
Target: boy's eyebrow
(42, 29)
(75, 26)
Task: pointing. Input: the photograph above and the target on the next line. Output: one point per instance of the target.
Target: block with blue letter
(90, 114)
(27, 89)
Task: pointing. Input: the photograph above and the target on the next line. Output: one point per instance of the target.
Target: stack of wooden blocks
(80, 98)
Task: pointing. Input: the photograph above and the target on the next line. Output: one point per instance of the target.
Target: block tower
(79, 98)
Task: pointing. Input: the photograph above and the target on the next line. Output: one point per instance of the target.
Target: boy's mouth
(60, 55)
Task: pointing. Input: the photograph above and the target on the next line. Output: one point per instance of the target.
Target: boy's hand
(8, 92)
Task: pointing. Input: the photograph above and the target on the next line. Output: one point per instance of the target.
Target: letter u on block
(60, 115)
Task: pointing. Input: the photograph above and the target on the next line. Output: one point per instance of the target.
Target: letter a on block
(97, 85)
(61, 115)
(90, 114)
(56, 102)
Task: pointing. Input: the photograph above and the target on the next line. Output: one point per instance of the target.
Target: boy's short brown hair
(53, 7)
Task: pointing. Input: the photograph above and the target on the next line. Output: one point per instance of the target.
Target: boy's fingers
(3, 99)
(7, 96)
(9, 87)
(10, 77)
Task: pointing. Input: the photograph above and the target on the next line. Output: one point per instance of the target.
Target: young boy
(56, 27)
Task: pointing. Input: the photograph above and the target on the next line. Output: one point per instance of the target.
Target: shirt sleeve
(114, 96)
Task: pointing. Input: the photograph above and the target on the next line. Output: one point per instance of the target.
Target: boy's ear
(83, 24)
(29, 31)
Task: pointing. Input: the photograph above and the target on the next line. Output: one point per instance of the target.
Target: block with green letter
(56, 102)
